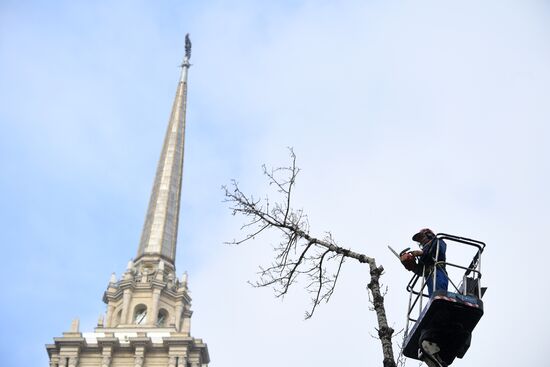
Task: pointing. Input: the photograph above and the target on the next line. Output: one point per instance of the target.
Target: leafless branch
(299, 254)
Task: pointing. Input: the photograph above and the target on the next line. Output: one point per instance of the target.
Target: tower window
(140, 314)
(162, 317)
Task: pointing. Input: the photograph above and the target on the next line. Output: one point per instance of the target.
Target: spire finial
(187, 46)
(186, 64)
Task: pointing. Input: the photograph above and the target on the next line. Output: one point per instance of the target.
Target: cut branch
(298, 253)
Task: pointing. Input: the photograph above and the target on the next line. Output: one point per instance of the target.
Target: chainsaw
(400, 254)
(407, 259)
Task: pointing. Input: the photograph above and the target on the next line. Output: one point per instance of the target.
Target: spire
(160, 230)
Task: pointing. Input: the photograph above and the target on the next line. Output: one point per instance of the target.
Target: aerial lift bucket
(448, 317)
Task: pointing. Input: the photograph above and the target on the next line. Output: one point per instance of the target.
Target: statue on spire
(187, 47)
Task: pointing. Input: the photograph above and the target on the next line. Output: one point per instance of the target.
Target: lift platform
(448, 317)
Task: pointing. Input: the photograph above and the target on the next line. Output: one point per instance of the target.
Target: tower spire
(148, 319)
(159, 235)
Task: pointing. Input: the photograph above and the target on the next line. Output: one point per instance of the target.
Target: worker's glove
(408, 260)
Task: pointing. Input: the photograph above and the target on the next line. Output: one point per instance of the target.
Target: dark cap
(425, 232)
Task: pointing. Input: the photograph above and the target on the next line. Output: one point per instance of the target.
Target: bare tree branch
(298, 254)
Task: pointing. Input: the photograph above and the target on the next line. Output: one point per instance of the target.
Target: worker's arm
(417, 253)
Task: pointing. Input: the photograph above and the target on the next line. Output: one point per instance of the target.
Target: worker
(426, 257)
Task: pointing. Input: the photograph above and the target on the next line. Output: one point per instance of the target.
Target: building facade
(148, 318)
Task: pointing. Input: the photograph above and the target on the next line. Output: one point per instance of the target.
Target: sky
(403, 115)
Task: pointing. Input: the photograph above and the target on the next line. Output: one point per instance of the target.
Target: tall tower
(148, 317)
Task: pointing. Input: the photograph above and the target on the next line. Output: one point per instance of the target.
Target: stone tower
(148, 317)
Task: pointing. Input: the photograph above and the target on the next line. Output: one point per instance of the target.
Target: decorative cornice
(70, 341)
(115, 293)
(177, 340)
(140, 341)
(108, 341)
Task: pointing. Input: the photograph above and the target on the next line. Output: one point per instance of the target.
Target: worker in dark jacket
(427, 256)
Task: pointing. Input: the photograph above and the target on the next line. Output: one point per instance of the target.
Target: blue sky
(403, 115)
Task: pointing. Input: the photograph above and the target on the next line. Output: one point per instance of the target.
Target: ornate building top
(148, 318)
